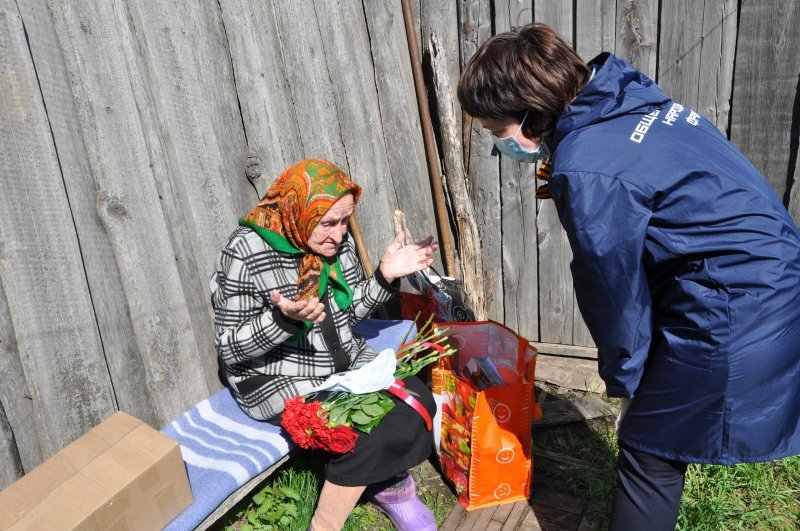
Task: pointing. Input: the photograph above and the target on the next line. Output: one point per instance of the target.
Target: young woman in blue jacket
(686, 265)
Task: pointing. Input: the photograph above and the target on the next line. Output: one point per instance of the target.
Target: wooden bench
(227, 454)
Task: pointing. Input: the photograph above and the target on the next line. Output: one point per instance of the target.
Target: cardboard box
(122, 474)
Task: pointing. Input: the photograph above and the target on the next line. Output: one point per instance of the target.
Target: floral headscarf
(288, 213)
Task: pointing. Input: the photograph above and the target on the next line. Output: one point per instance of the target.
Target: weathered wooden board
(551, 509)
(519, 247)
(12, 464)
(592, 519)
(794, 197)
(557, 14)
(263, 86)
(556, 299)
(718, 55)
(19, 445)
(41, 269)
(565, 350)
(194, 125)
(483, 169)
(454, 518)
(510, 15)
(416, 9)
(309, 81)
(399, 117)
(562, 460)
(560, 501)
(105, 284)
(637, 34)
(564, 20)
(580, 332)
(696, 52)
(595, 27)
(554, 509)
(484, 517)
(494, 518)
(565, 315)
(520, 250)
(577, 409)
(500, 516)
(439, 25)
(765, 87)
(440, 43)
(519, 510)
(115, 108)
(569, 373)
(347, 54)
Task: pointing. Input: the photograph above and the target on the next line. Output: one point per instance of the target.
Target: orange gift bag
(486, 406)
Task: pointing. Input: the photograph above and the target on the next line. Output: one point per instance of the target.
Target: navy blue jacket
(686, 269)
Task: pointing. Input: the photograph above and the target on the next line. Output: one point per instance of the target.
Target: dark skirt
(399, 442)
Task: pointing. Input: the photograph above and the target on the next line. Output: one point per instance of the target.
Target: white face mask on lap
(511, 148)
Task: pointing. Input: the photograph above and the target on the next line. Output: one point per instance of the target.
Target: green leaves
(362, 412)
(359, 417)
(372, 410)
(370, 399)
(273, 508)
(290, 493)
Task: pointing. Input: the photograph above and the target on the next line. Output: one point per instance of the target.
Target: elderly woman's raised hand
(298, 310)
(399, 261)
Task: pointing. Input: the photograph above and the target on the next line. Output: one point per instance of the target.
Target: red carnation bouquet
(333, 424)
(310, 427)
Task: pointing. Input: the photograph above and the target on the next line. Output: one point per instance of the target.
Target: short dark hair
(533, 70)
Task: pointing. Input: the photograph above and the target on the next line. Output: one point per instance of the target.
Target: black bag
(447, 293)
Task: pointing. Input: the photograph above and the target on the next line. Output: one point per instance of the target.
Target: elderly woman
(287, 289)
(685, 263)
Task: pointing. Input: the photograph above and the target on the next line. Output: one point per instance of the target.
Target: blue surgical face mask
(511, 148)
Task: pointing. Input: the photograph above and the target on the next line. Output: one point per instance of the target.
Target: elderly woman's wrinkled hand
(399, 261)
(311, 311)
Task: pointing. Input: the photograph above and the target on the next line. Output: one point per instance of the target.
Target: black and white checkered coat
(262, 365)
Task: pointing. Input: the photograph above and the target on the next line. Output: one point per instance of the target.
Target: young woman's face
(508, 126)
(327, 236)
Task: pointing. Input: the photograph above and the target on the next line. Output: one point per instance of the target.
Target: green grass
(744, 496)
(762, 496)
(594, 444)
(302, 476)
(299, 476)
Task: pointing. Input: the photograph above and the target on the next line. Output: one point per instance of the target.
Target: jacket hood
(617, 88)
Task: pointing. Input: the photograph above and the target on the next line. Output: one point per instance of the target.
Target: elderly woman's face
(327, 236)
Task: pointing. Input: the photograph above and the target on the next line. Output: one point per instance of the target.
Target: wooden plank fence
(134, 134)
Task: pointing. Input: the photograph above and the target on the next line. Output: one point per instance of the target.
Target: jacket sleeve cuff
(385, 284)
(617, 391)
(290, 326)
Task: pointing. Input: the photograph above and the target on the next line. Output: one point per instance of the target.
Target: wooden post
(430, 145)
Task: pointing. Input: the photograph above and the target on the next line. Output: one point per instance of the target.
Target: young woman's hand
(299, 311)
(399, 261)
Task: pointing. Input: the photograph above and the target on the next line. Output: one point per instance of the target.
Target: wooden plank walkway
(547, 510)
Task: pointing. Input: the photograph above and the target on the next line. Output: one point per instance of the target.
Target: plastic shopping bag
(486, 406)
(433, 295)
